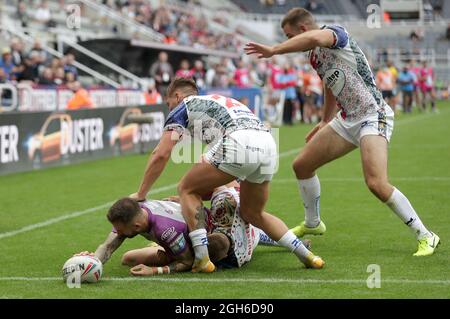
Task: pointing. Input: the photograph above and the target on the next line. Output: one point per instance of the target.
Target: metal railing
(135, 79)
(9, 27)
(130, 23)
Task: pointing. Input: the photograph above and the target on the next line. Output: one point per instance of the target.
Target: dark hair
(123, 211)
(187, 85)
(297, 15)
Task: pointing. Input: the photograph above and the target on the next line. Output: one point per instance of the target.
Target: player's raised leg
(198, 181)
(253, 199)
(325, 146)
(374, 156)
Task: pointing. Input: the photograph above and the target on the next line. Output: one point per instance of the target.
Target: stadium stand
(119, 41)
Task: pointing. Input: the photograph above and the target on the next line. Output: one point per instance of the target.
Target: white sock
(310, 192)
(295, 245)
(264, 239)
(401, 206)
(199, 242)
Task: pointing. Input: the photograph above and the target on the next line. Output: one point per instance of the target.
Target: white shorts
(380, 123)
(249, 155)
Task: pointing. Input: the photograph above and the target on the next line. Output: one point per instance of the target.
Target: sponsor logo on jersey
(335, 80)
(178, 244)
(168, 234)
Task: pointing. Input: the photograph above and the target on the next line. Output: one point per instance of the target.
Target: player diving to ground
(232, 241)
(240, 147)
(364, 120)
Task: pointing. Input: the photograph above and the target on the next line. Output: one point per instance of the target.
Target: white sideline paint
(247, 280)
(168, 187)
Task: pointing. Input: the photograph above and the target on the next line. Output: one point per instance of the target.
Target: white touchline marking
(240, 280)
(158, 190)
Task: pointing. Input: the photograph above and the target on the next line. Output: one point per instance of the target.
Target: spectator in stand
(43, 14)
(46, 77)
(241, 75)
(80, 99)
(55, 64)
(6, 63)
(68, 61)
(184, 71)
(314, 6)
(170, 37)
(199, 74)
(5, 95)
(69, 79)
(152, 96)
(21, 14)
(220, 78)
(59, 76)
(406, 80)
(29, 69)
(17, 51)
(162, 72)
(40, 52)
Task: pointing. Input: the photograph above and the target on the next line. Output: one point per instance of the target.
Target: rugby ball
(83, 269)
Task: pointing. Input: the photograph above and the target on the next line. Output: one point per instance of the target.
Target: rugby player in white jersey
(240, 147)
(364, 120)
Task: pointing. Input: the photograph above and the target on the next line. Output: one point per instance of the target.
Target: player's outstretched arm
(300, 43)
(156, 164)
(181, 264)
(105, 250)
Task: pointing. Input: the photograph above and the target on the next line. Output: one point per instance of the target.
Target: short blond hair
(187, 85)
(297, 15)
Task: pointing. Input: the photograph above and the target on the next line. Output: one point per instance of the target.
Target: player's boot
(307, 243)
(302, 230)
(203, 265)
(313, 261)
(427, 245)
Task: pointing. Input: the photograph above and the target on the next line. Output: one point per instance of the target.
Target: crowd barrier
(33, 140)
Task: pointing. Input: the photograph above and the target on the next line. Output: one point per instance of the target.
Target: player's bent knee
(381, 189)
(301, 169)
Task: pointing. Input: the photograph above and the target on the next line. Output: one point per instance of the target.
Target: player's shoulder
(341, 35)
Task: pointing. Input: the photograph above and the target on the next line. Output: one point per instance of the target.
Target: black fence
(35, 140)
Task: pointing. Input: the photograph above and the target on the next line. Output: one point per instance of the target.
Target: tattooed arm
(105, 250)
(182, 263)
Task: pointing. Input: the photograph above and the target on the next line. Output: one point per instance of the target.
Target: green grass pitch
(71, 202)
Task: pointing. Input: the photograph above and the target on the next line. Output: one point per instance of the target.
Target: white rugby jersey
(210, 117)
(345, 70)
(226, 219)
